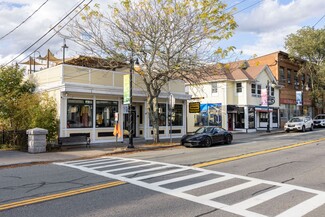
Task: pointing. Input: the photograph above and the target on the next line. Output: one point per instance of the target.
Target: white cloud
(272, 20)
(268, 42)
(271, 15)
(13, 12)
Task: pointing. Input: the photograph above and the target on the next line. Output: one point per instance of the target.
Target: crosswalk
(192, 183)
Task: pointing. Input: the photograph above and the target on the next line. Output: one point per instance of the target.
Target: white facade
(88, 98)
(238, 108)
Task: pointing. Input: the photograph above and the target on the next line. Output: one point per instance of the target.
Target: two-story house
(233, 99)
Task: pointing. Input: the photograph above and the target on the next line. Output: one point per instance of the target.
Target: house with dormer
(235, 98)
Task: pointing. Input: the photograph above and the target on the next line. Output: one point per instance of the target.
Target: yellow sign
(194, 107)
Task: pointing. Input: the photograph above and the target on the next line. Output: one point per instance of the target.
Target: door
(230, 122)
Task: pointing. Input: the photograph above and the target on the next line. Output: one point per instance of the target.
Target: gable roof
(237, 71)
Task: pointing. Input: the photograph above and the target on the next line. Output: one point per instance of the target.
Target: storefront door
(126, 124)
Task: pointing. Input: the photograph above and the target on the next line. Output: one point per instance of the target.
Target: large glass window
(105, 111)
(240, 118)
(289, 76)
(177, 115)
(282, 76)
(253, 89)
(214, 88)
(259, 90)
(161, 115)
(238, 87)
(79, 113)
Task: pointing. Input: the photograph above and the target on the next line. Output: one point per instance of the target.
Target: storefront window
(161, 115)
(240, 118)
(105, 111)
(275, 116)
(177, 115)
(79, 113)
(210, 115)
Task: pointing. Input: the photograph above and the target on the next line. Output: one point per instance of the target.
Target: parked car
(319, 120)
(299, 123)
(206, 136)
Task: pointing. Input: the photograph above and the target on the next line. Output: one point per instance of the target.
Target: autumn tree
(308, 44)
(173, 39)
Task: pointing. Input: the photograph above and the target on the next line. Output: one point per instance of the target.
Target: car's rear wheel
(228, 139)
(208, 142)
(303, 129)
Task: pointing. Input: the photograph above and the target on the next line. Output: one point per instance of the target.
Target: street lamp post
(269, 101)
(132, 65)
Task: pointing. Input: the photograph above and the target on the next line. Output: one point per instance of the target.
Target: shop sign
(194, 107)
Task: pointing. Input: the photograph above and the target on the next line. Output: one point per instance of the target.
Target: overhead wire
(235, 5)
(45, 33)
(11, 31)
(58, 30)
(318, 20)
(248, 7)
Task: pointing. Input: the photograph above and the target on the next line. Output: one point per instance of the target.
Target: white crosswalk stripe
(168, 174)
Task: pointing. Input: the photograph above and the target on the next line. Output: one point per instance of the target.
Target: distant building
(286, 72)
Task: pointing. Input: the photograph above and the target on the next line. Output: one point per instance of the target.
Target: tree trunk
(152, 108)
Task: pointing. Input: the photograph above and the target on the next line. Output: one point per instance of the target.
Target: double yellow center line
(59, 195)
(117, 183)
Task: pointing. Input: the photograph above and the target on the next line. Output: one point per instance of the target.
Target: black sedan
(206, 136)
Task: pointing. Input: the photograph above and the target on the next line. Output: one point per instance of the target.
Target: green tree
(308, 45)
(21, 108)
(173, 39)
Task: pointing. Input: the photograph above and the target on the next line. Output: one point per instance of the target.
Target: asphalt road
(252, 182)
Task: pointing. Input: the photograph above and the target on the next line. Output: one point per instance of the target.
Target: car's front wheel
(312, 127)
(303, 129)
(228, 139)
(208, 142)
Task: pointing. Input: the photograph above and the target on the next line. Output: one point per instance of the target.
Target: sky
(262, 25)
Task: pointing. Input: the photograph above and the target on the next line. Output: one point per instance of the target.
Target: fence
(14, 138)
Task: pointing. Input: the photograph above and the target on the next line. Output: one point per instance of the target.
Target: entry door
(230, 122)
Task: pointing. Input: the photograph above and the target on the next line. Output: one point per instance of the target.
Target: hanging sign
(194, 107)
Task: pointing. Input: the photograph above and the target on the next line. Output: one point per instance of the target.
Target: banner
(264, 97)
(126, 89)
(299, 98)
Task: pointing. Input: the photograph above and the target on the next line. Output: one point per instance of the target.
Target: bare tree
(173, 39)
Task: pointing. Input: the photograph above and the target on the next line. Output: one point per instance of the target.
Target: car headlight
(286, 124)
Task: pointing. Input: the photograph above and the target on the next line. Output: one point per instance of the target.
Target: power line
(45, 33)
(248, 7)
(58, 30)
(235, 5)
(2, 37)
(318, 20)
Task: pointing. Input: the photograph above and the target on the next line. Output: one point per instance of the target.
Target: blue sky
(263, 25)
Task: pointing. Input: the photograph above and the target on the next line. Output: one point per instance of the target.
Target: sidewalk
(18, 158)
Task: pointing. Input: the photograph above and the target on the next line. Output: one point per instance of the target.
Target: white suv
(319, 120)
(299, 123)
